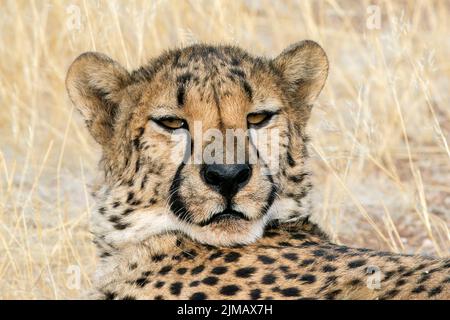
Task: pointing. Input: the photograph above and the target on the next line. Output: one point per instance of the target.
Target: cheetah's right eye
(171, 123)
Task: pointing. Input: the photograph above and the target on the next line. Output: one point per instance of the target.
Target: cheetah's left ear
(304, 66)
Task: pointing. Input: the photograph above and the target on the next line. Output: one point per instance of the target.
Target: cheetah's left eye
(259, 119)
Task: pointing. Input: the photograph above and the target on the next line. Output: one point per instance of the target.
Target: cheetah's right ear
(95, 85)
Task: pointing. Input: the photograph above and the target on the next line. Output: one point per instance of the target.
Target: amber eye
(258, 119)
(171, 123)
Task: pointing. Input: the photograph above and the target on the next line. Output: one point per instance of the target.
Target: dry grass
(380, 130)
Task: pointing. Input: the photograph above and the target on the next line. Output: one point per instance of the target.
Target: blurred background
(380, 131)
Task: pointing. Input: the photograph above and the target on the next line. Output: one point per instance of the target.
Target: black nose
(226, 178)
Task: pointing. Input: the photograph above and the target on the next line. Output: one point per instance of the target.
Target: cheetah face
(207, 141)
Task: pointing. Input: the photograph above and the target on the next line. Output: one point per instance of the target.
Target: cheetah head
(169, 129)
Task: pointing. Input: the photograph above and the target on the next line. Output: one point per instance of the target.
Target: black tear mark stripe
(176, 203)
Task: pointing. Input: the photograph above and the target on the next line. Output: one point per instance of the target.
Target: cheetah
(171, 225)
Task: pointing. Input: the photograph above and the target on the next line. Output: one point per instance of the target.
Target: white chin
(228, 232)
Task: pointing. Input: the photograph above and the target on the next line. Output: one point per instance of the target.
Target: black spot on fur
(210, 281)
(198, 296)
(245, 272)
(291, 276)
(329, 281)
(105, 254)
(332, 294)
(390, 294)
(388, 275)
(116, 204)
(232, 256)
(165, 270)
(298, 178)
(435, 291)
(197, 269)
(424, 278)
(219, 270)
(175, 288)
(298, 236)
(355, 282)
(290, 160)
(284, 268)
(328, 268)
(133, 266)
(418, 289)
(215, 255)
(248, 90)
(190, 254)
(408, 273)
(181, 91)
(180, 95)
(331, 257)
(255, 294)
(400, 282)
(356, 263)
(401, 269)
(291, 256)
(341, 249)
(318, 253)
(110, 295)
(229, 290)
(290, 292)
(266, 259)
(181, 271)
(121, 226)
(114, 219)
(158, 257)
(126, 212)
(308, 278)
(268, 279)
(141, 282)
(130, 197)
(270, 234)
(307, 262)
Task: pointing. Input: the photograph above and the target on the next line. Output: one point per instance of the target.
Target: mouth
(227, 214)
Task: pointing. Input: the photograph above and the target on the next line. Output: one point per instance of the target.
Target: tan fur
(151, 207)
(287, 263)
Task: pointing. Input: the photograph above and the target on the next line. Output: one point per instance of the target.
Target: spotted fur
(154, 222)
